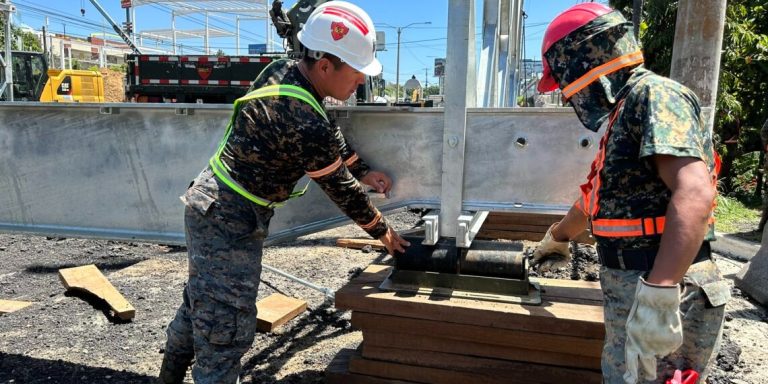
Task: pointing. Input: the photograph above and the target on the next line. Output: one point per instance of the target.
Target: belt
(641, 259)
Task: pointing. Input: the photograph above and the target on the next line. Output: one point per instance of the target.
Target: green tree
(29, 41)
(743, 83)
(432, 90)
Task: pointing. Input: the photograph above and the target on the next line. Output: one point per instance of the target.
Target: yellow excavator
(33, 81)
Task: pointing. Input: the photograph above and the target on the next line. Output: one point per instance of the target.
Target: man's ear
(324, 65)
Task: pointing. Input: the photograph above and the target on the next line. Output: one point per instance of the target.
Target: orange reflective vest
(589, 202)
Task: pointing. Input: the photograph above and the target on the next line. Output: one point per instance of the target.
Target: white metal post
(460, 94)
(173, 30)
(207, 31)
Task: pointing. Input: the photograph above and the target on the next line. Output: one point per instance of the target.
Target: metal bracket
(469, 226)
(184, 112)
(108, 111)
(431, 227)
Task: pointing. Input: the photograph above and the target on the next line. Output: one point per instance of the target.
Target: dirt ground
(65, 338)
(114, 85)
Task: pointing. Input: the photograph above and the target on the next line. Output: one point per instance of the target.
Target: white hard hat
(343, 30)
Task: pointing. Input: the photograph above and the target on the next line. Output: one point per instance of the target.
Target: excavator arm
(288, 24)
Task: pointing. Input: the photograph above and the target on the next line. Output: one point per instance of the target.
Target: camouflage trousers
(702, 309)
(216, 323)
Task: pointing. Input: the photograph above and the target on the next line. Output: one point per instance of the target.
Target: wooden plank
(510, 235)
(540, 341)
(420, 374)
(8, 306)
(522, 218)
(88, 278)
(464, 363)
(337, 372)
(359, 243)
(276, 310)
(555, 317)
(515, 227)
(429, 343)
(572, 291)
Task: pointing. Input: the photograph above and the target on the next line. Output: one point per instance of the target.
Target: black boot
(173, 370)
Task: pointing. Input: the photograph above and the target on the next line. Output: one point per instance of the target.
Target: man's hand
(393, 242)
(551, 254)
(378, 181)
(653, 328)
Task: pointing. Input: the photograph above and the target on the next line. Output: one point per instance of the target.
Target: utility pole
(6, 9)
(697, 50)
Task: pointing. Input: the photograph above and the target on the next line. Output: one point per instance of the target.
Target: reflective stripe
(373, 222)
(632, 227)
(589, 201)
(604, 69)
(628, 227)
(221, 170)
(352, 159)
(325, 171)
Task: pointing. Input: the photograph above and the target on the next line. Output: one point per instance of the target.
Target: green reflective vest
(221, 170)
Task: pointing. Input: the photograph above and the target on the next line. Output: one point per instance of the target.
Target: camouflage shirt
(277, 140)
(659, 117)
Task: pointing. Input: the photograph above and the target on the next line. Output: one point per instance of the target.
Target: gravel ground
(65, 338)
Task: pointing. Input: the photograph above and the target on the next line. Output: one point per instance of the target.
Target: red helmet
(570, 20)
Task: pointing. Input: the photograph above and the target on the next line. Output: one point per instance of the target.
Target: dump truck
(191, 78)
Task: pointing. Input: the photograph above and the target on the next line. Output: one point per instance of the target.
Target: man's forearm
(572, 225)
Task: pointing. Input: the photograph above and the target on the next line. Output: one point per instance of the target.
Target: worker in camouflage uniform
(278, 133)
(764, 141)
(649, 198)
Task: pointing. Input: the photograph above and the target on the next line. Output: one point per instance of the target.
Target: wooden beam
(337, 372)
(430, 343)
(276, 310)
(465, 363)
(510, 235)
(8, 306)
(522, 218)
(554, 317)
(360, 243)
(88, 278)
(540, 341)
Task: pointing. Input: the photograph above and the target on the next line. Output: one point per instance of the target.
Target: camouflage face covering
(598, 42)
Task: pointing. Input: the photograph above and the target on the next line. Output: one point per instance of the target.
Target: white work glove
(653, 328)
(551, 254)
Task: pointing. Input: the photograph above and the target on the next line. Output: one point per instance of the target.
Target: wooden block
(429, 343)
(516, 227)
(8, 306)
(571, 291)
(540, 341)
(337, 372)
(420, 374)
(276, 309)
(552, 316)
(522, 218)
(464, 363)
(88, 278)
(510, 235)
(359, 243)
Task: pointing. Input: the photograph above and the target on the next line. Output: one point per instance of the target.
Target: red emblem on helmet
(338, 30)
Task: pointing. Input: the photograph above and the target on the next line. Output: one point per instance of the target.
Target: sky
(420, 43)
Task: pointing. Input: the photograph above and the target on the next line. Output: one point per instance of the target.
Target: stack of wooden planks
(419, 339)
(516, 226)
